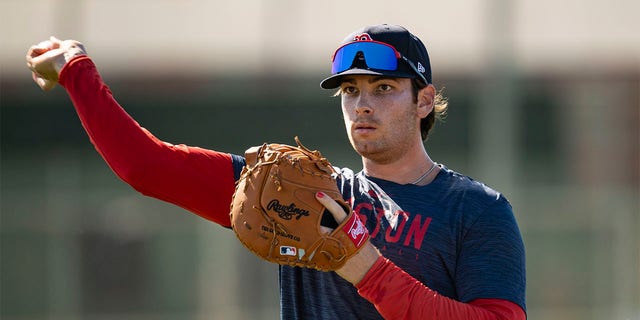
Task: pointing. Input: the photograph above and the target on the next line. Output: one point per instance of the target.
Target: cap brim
(335, 80)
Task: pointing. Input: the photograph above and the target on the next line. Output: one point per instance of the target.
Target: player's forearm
(196, 179)
(397, 295)
(116, 136)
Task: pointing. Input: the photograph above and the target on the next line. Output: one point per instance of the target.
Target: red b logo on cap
(362, 37)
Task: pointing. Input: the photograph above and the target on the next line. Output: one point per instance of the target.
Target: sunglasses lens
(376, 55)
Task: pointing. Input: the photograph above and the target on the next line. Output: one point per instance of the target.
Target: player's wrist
(69, 50)
(72, 49)
(357, 267)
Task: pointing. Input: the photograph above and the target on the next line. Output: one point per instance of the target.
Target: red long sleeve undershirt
(193, 178)
(397, 295)
(202, 181)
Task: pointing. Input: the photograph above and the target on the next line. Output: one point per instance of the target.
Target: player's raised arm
(199, 180)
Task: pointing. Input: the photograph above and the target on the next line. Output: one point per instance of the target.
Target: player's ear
(426, 97)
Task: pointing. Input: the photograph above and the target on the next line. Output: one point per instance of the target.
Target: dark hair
(440, 105)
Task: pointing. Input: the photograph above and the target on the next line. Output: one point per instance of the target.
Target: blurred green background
(544, 106)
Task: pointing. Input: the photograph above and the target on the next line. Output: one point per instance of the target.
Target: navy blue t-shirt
(455, 235)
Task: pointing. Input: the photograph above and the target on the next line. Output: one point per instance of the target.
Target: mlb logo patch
(288, 251)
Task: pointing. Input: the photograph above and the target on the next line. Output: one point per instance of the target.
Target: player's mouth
(363, 127)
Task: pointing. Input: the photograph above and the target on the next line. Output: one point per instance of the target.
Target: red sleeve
(397, 295)
(199, 180)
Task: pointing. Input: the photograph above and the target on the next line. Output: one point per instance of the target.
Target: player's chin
(365, 148)
(363, 143)
(377, 151)
(364, 136)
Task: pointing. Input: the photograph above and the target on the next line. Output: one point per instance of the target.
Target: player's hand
(47, 58)
(358, 265)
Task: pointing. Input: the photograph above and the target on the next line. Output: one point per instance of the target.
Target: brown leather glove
(275, 214)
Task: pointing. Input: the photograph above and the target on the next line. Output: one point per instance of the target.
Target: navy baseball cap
(386, 50)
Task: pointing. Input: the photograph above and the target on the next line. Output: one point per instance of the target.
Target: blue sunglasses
(378, 55)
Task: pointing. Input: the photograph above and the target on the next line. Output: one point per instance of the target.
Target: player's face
(381, 116)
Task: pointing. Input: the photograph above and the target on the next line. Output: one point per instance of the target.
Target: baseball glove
(275, 214)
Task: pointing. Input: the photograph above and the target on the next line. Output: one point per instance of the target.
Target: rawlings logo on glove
(275, 214)
(287, 212)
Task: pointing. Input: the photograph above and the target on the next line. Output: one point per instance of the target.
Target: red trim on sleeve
(196, 179)
(397, 295)
(505, 308)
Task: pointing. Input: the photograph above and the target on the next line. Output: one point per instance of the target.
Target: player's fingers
(336, 210)
(43, 83)
(43, 61)
(55, 42)
(44, 46)
(325, 230)
(36, 50)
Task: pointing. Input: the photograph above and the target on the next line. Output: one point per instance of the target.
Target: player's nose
(363, 105)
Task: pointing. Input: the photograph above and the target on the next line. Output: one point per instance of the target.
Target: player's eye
(349, 90)
(384, 87)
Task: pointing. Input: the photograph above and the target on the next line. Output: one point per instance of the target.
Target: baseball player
(442, 246)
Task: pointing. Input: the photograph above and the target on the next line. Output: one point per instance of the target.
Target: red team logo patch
(362, 37)
(356, 231)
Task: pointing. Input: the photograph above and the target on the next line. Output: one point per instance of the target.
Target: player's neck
(406, 169)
